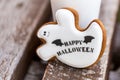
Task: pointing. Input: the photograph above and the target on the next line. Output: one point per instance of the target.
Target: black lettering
(92, 49)
(73, 49)
(78, 49)
(73, 42)
(59, 53)
(83, 49)
(66, 51)
(77, 42)
(69, 50)
(81, 42)
(87, 49)
(70, 43)
(66, 43)
(63, 52)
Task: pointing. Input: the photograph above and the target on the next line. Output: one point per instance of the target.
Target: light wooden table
(18, 25)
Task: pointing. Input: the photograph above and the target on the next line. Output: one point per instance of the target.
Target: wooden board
(18, 24)
(59, 71)
(36, 70)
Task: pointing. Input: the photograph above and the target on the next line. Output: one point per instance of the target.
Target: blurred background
(115, 52)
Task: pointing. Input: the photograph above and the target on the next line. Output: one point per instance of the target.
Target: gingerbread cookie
(71, 44)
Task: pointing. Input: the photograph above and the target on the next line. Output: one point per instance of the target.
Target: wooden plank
(36, 71)
(18, 24)
(58, 71)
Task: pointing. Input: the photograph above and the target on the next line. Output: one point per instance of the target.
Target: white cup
(88, 10)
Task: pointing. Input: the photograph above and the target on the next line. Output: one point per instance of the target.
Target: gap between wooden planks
(18, 23)
(58, 71)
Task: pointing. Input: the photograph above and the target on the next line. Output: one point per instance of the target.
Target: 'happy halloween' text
(75, 49)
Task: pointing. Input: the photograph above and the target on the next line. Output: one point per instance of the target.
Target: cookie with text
(69, 43)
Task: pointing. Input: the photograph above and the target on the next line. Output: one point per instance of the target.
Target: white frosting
(87, 9)
(71, 46)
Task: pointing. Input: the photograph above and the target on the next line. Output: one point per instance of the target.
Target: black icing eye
(44, 33)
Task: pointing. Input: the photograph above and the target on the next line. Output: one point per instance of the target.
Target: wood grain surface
(18, 22)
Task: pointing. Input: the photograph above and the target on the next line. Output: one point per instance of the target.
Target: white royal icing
(71, 46)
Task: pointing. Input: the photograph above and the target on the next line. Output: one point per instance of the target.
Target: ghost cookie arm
(45, 53)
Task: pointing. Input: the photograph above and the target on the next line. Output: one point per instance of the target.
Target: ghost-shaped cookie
(69, 43)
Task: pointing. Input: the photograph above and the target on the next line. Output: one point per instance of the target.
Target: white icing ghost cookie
(72, 45)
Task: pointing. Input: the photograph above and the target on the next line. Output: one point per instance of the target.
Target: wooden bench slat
(59, 71)
(18, 21)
